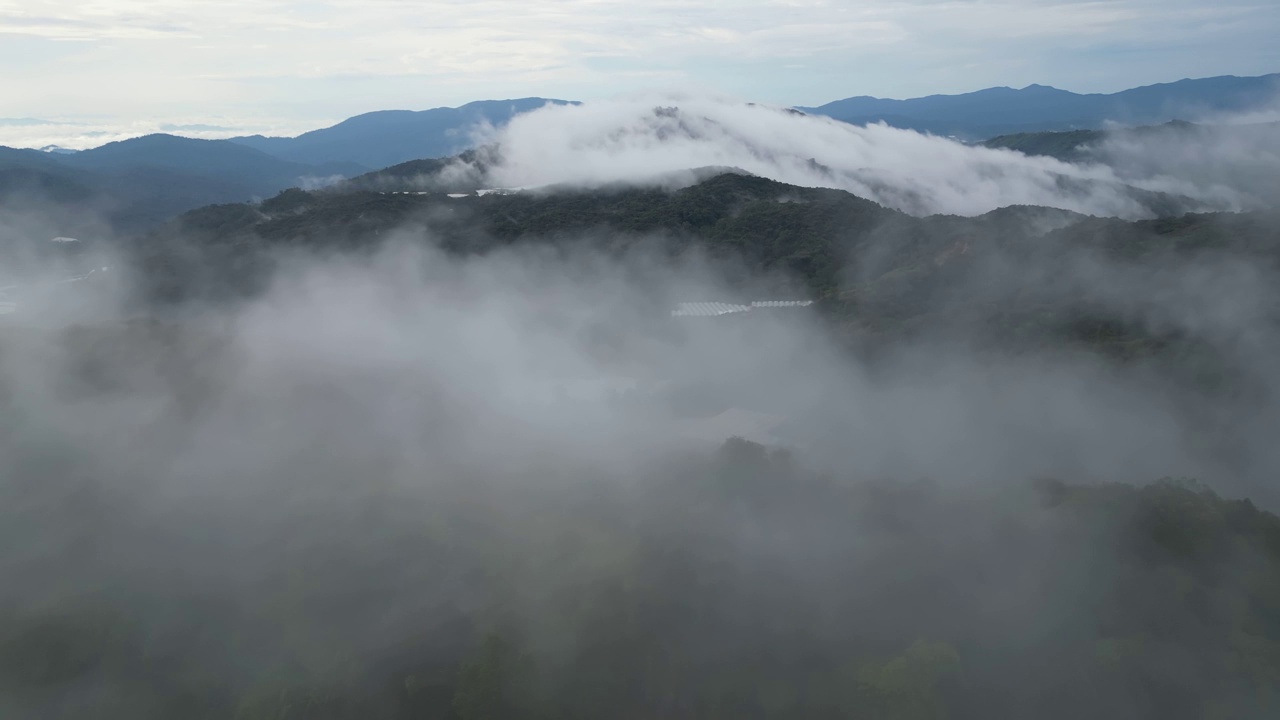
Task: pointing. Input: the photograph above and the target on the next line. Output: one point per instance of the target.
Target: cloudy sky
(210, 67)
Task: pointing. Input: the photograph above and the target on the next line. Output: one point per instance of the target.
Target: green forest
(737, 581)
(877, 273)
(657, 596)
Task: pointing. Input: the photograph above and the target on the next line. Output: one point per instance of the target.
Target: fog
(355, 474)
(1234, 159)
(645, 138)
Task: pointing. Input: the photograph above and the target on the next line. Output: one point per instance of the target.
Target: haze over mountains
(382, 138)
(379, 139)
(1001, 111)
(148, 179)
(989, 434)
(134, 183)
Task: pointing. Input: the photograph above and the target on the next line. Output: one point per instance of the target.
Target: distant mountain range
(382, 139)
(1088, 145)
(1037, 108)
(389, 137)
(135, 183)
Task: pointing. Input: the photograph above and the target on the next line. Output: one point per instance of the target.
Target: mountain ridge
(143, 180)
(990, 112)
(151, 178)
(383, 138)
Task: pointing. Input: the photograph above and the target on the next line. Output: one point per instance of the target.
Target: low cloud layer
(1236, 160)
(648, 138)
(354, 475)
(525, 347)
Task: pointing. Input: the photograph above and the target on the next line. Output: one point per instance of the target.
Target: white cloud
(644, 138)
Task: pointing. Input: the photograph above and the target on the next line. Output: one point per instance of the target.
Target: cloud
(1237, 159)
(197, 128)
(24, 122)
(642, 138)
(321, 477)
(420, 364)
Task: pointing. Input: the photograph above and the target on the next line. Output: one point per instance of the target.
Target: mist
(646, 139)
(386, 457)
(401, 466)
(1236, 158)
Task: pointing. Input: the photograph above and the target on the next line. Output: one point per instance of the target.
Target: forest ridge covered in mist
(992, 434)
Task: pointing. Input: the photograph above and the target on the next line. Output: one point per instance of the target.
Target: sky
(90, 71)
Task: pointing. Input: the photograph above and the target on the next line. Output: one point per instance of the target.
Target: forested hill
(1016, 274)
(299, 515)
(884, 601)
(771, 225)
(136, 184)
(1182, 297)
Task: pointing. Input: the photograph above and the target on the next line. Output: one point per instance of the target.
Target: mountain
(1065, 145)
(32, 183)
(56, 184)
(1237, 159)
(389, 137)
(138, 182)
(806, 233)
(471, 170)
(1076, 145)
(1001, 111)
(426, 175)
(21, 173)
(142, 181)
(26, 158)
(213, 160)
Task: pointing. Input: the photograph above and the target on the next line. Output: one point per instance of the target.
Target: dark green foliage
(427, 175)
(49, 184)
(55, 649)
(1007, 279)
(769, 225)
(735, 585)
(907, 687)
(1069, 146)
(495, 682)
(1163, 601)
(290, 201)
